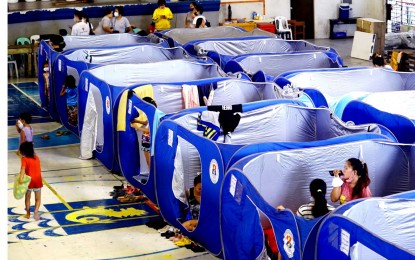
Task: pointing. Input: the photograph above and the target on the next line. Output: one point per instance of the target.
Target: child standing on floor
(30, 166)
(69, 89)
(24, 128)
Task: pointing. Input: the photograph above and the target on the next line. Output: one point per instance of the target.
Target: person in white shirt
(80, 27)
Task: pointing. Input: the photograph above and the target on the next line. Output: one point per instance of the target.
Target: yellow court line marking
(57, 195)
(67, 210)
(29, 97)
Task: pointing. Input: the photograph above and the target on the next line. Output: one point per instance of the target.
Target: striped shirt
(305, 210)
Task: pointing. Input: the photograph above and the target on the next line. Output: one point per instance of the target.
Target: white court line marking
(29, 97)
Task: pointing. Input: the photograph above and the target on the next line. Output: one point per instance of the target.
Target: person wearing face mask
(105, 26)
(188, 22)
(355, 182)
(162, 16)
(121, 23)
(24, 128)
(80, 27)
(46, 81)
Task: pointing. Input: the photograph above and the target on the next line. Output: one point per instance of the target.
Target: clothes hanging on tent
(177, 182)
(208, 122)
(142, 91)
(158, 115)
(190, 96)
(203, 91)
(89, 130)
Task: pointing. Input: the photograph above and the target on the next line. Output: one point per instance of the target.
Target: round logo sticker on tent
(214, 171)
(107, 105)
(289, 243)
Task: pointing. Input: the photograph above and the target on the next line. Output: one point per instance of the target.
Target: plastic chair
(23, 41)
(282, 28)
(34, 38)
(12, 62)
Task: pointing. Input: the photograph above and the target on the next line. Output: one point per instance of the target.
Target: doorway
(303, 10)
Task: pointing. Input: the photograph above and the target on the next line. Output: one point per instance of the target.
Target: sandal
(45, 137)
(59, 133)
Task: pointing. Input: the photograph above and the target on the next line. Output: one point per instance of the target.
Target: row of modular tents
(259, 117)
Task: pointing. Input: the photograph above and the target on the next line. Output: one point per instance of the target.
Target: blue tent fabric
(222, 50)
(107, 88)
(260, 147)
(361, 113)
(75, 61)
(225, 89)
(340, 231)
(46, 53)
(340, 85)
(181, 36)
(247, 182)
(176, 132)
(274, 64)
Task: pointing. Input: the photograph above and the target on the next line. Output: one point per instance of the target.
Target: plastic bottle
(253, 15)
(229, 13)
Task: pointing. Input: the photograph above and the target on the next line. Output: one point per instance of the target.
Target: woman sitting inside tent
(193, 198)
(355, 182)
(319, 206)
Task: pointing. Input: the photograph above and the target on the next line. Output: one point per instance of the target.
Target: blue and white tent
(100, 87)
(326, 87)
(395, 110)
(374, 228)
(47, 54)
(181, 151)
(171, 98)
(267, 66)
(180, 36)
(257, 184)
(73, 62)
(222, 50)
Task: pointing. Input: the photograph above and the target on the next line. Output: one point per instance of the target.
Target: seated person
(194, 204)
(353, 185)
(319, 206)
(379, 62)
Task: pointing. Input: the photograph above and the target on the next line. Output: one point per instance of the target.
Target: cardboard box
(370, 25)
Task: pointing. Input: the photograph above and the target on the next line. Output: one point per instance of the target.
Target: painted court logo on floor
(86, 216)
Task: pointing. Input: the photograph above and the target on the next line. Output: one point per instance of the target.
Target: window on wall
(402, 13)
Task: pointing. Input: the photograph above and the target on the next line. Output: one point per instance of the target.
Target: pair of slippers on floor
(58, 133)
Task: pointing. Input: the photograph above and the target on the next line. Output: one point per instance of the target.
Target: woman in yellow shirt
(162, 16)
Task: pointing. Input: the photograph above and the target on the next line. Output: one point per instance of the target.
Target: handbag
(19, 190)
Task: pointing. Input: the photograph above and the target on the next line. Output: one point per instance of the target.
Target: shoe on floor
(184, 241)
(164, 229)
(45, 137)
(167, 234)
